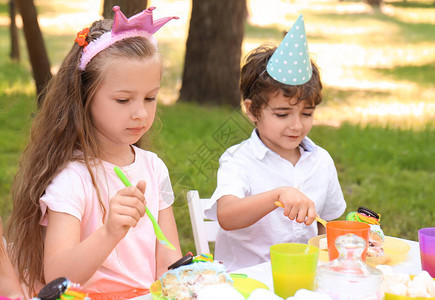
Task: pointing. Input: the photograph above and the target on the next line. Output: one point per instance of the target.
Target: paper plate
(244, 285)
(395, 251)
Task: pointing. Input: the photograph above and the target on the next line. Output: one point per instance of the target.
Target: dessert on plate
(376, 235)
(201, 278)
(187, 281)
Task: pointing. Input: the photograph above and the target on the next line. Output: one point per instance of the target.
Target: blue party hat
(290, 63)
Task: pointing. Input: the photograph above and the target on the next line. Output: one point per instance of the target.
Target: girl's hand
(297, 205)
(125, 210)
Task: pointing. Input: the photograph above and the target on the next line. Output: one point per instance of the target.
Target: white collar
(260, 149)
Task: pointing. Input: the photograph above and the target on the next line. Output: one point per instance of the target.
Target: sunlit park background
(376, 120)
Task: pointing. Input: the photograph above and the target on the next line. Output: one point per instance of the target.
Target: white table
(263, 272)
(412, 265)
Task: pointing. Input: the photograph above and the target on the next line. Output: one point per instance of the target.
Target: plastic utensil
(159, 234)
(318, 219)
(321, 221)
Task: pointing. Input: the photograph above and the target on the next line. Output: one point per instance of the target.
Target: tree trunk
(374, 3)
(35, 45)
(213, 50)
(15, 46)
(128, 7)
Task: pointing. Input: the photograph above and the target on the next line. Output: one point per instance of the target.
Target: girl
(72, 216)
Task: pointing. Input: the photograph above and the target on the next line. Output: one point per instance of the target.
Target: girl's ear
(247, 103)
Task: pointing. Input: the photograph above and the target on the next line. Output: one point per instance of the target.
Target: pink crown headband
(141, 24)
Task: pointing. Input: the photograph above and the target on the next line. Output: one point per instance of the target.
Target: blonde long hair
(61, 130)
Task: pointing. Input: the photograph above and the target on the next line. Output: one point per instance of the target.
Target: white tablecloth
(412, 265)
(263, 272)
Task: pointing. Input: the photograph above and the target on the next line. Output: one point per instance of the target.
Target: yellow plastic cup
(293, 267)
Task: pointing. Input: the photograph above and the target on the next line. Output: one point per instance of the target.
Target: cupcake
(376, 235)
(185, 282)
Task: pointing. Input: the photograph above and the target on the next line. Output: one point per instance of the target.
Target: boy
(281, 88)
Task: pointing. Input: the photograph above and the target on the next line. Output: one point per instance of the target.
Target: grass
(384, 168)
(422, 74)
(376, 119)
(413, 4)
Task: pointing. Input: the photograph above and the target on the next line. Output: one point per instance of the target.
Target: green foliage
(422, 75)
(413, 4)
(373, 29)
(4, 9)
(388, 170)
(264, 33)
(16, 107)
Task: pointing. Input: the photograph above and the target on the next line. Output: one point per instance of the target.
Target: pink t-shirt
(132, 263)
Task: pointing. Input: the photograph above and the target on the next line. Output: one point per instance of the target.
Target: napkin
(219, 292)
(263, 294)
(309, 295)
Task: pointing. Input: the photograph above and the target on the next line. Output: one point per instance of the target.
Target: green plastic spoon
(159, 234)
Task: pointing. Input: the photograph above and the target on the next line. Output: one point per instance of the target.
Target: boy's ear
(247, 103)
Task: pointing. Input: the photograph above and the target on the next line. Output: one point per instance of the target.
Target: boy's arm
(165, 256)
(236, 213)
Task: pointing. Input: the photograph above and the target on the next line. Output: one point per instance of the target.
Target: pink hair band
(106, 40)
(139, 25)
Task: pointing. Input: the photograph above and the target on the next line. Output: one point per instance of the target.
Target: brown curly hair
(257, 85)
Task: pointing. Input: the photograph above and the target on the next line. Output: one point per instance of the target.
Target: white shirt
(250, 168)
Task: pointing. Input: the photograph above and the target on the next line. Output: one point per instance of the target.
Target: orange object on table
(337, 228)
(119, 295)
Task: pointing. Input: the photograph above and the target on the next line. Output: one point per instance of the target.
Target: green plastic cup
(293, 267)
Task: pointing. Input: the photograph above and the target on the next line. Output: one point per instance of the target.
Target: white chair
(204, 230)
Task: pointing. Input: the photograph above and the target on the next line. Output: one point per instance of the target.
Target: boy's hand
(125, 209)
(297, 205)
